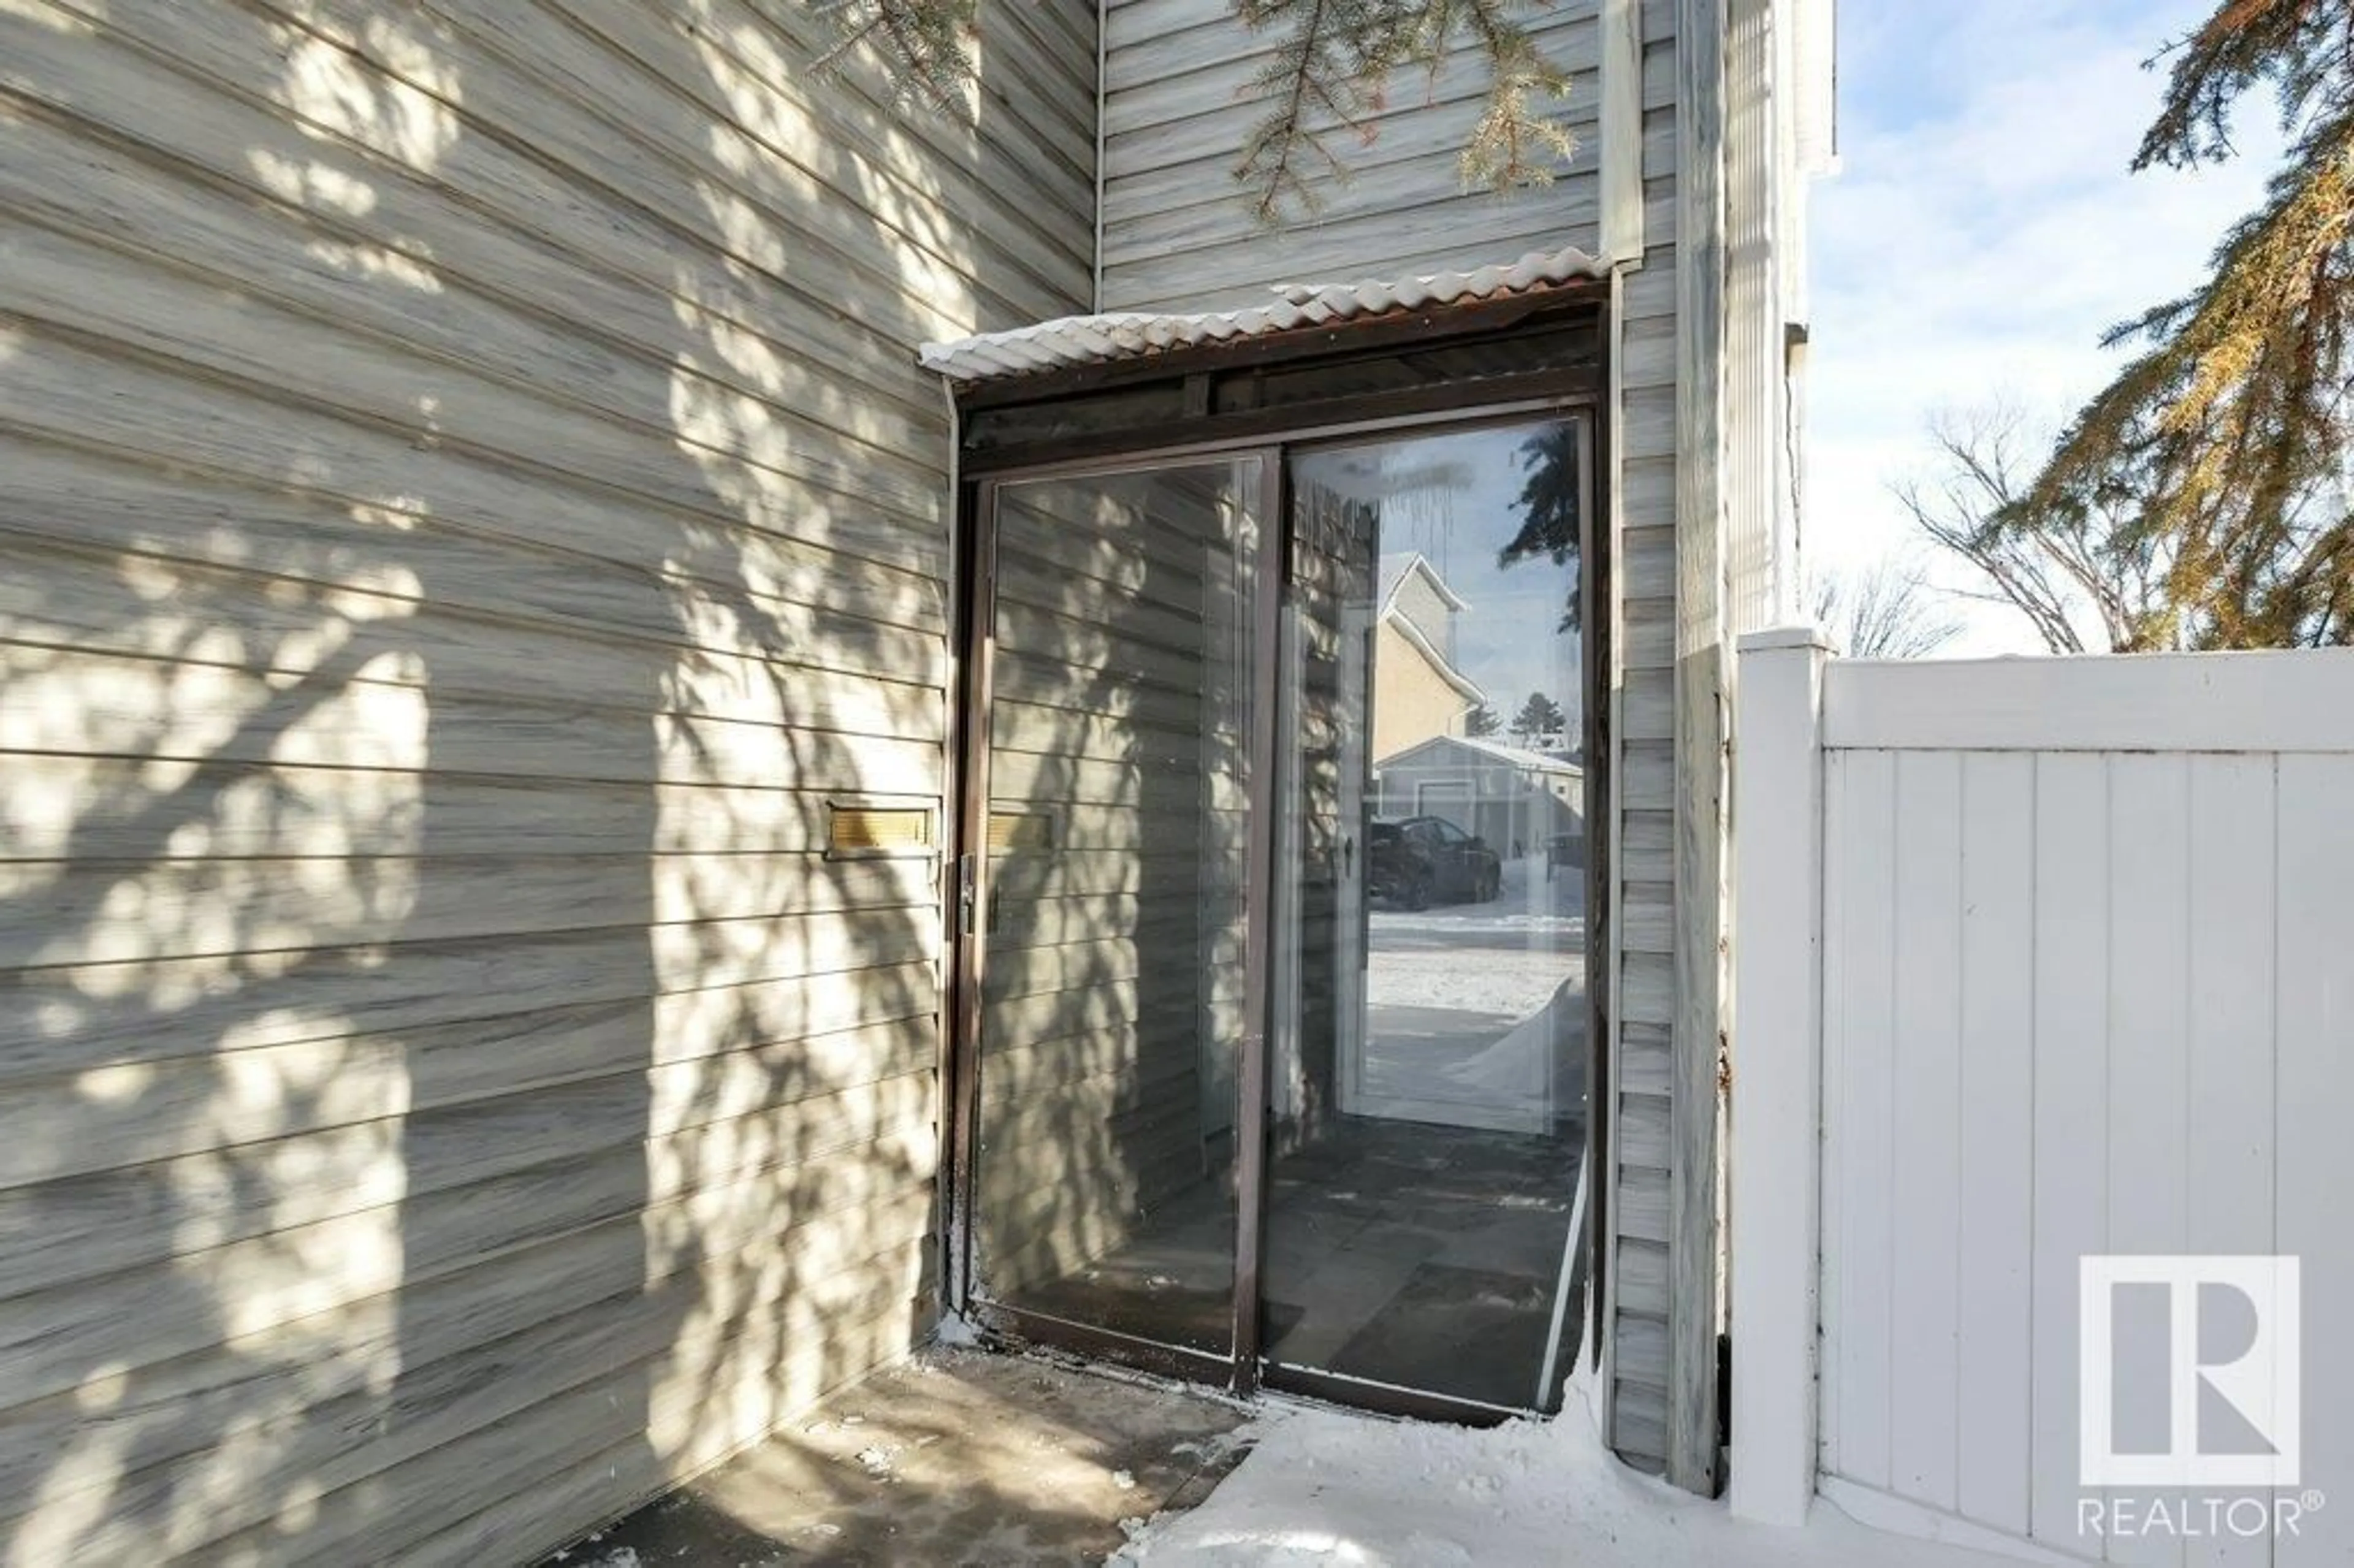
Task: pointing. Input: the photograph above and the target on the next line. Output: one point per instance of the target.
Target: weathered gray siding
(1644, 1145)
(468, 504)
(1179, 234)
(1180, 99)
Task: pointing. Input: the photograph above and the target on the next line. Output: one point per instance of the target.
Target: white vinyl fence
(2037, 959)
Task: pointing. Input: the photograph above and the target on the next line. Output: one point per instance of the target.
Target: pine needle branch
(1328, 78)
(2227, 430)
(927, 42)
(1330, 75)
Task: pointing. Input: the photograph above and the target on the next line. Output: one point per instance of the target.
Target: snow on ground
(1451, 922)
(1506, 957)
(1509, 985)
(1326, 1486)
(1464, 1001)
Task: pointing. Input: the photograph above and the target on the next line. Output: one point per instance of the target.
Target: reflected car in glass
(1416, 862)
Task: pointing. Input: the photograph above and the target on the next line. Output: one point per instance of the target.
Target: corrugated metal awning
(1094, 340)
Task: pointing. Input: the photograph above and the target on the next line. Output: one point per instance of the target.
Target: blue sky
(1466, 508)
(1982, 233)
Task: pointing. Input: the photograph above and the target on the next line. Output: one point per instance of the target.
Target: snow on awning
(1094, 340)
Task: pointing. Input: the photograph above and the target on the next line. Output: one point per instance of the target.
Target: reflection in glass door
(1425, 1099)
(1113, 886)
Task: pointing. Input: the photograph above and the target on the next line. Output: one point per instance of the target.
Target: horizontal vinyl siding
(1180, 98)
(470, 503)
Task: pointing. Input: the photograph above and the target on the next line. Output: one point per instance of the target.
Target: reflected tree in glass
(1552, 492)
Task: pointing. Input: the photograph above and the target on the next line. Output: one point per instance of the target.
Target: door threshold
(1017, 1329)
(1367, 1398)
(1013, 1330)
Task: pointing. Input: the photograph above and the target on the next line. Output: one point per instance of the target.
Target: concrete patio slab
(954, 1458)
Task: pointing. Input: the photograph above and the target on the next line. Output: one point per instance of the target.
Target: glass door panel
(1113, 883)
(1425, 1095)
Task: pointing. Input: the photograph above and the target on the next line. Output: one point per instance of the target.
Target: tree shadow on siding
(334, 958)
(458, 1094)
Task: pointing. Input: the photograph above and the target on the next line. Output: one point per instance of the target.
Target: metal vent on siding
(853, 829)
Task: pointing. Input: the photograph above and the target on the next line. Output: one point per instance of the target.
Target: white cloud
(1982, 234)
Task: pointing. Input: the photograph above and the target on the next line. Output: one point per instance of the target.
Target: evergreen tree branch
(2291, 45)
(1331, 75)
(2228, 424)
(1316, 72)
(927, 42)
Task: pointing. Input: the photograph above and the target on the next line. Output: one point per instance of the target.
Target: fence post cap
(1773, 639)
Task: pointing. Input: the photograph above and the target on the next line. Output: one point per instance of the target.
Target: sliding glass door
(1277, 1019)
(1427, 1087)
(1114, 868)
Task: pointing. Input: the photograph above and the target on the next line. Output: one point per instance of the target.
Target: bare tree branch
(2085, 575)
(1883, 611)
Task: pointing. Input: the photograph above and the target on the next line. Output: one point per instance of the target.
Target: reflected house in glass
(1418, 691)
(1522, 801)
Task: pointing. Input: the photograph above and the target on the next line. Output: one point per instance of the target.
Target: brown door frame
(969, 926)
(1244, 1368)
